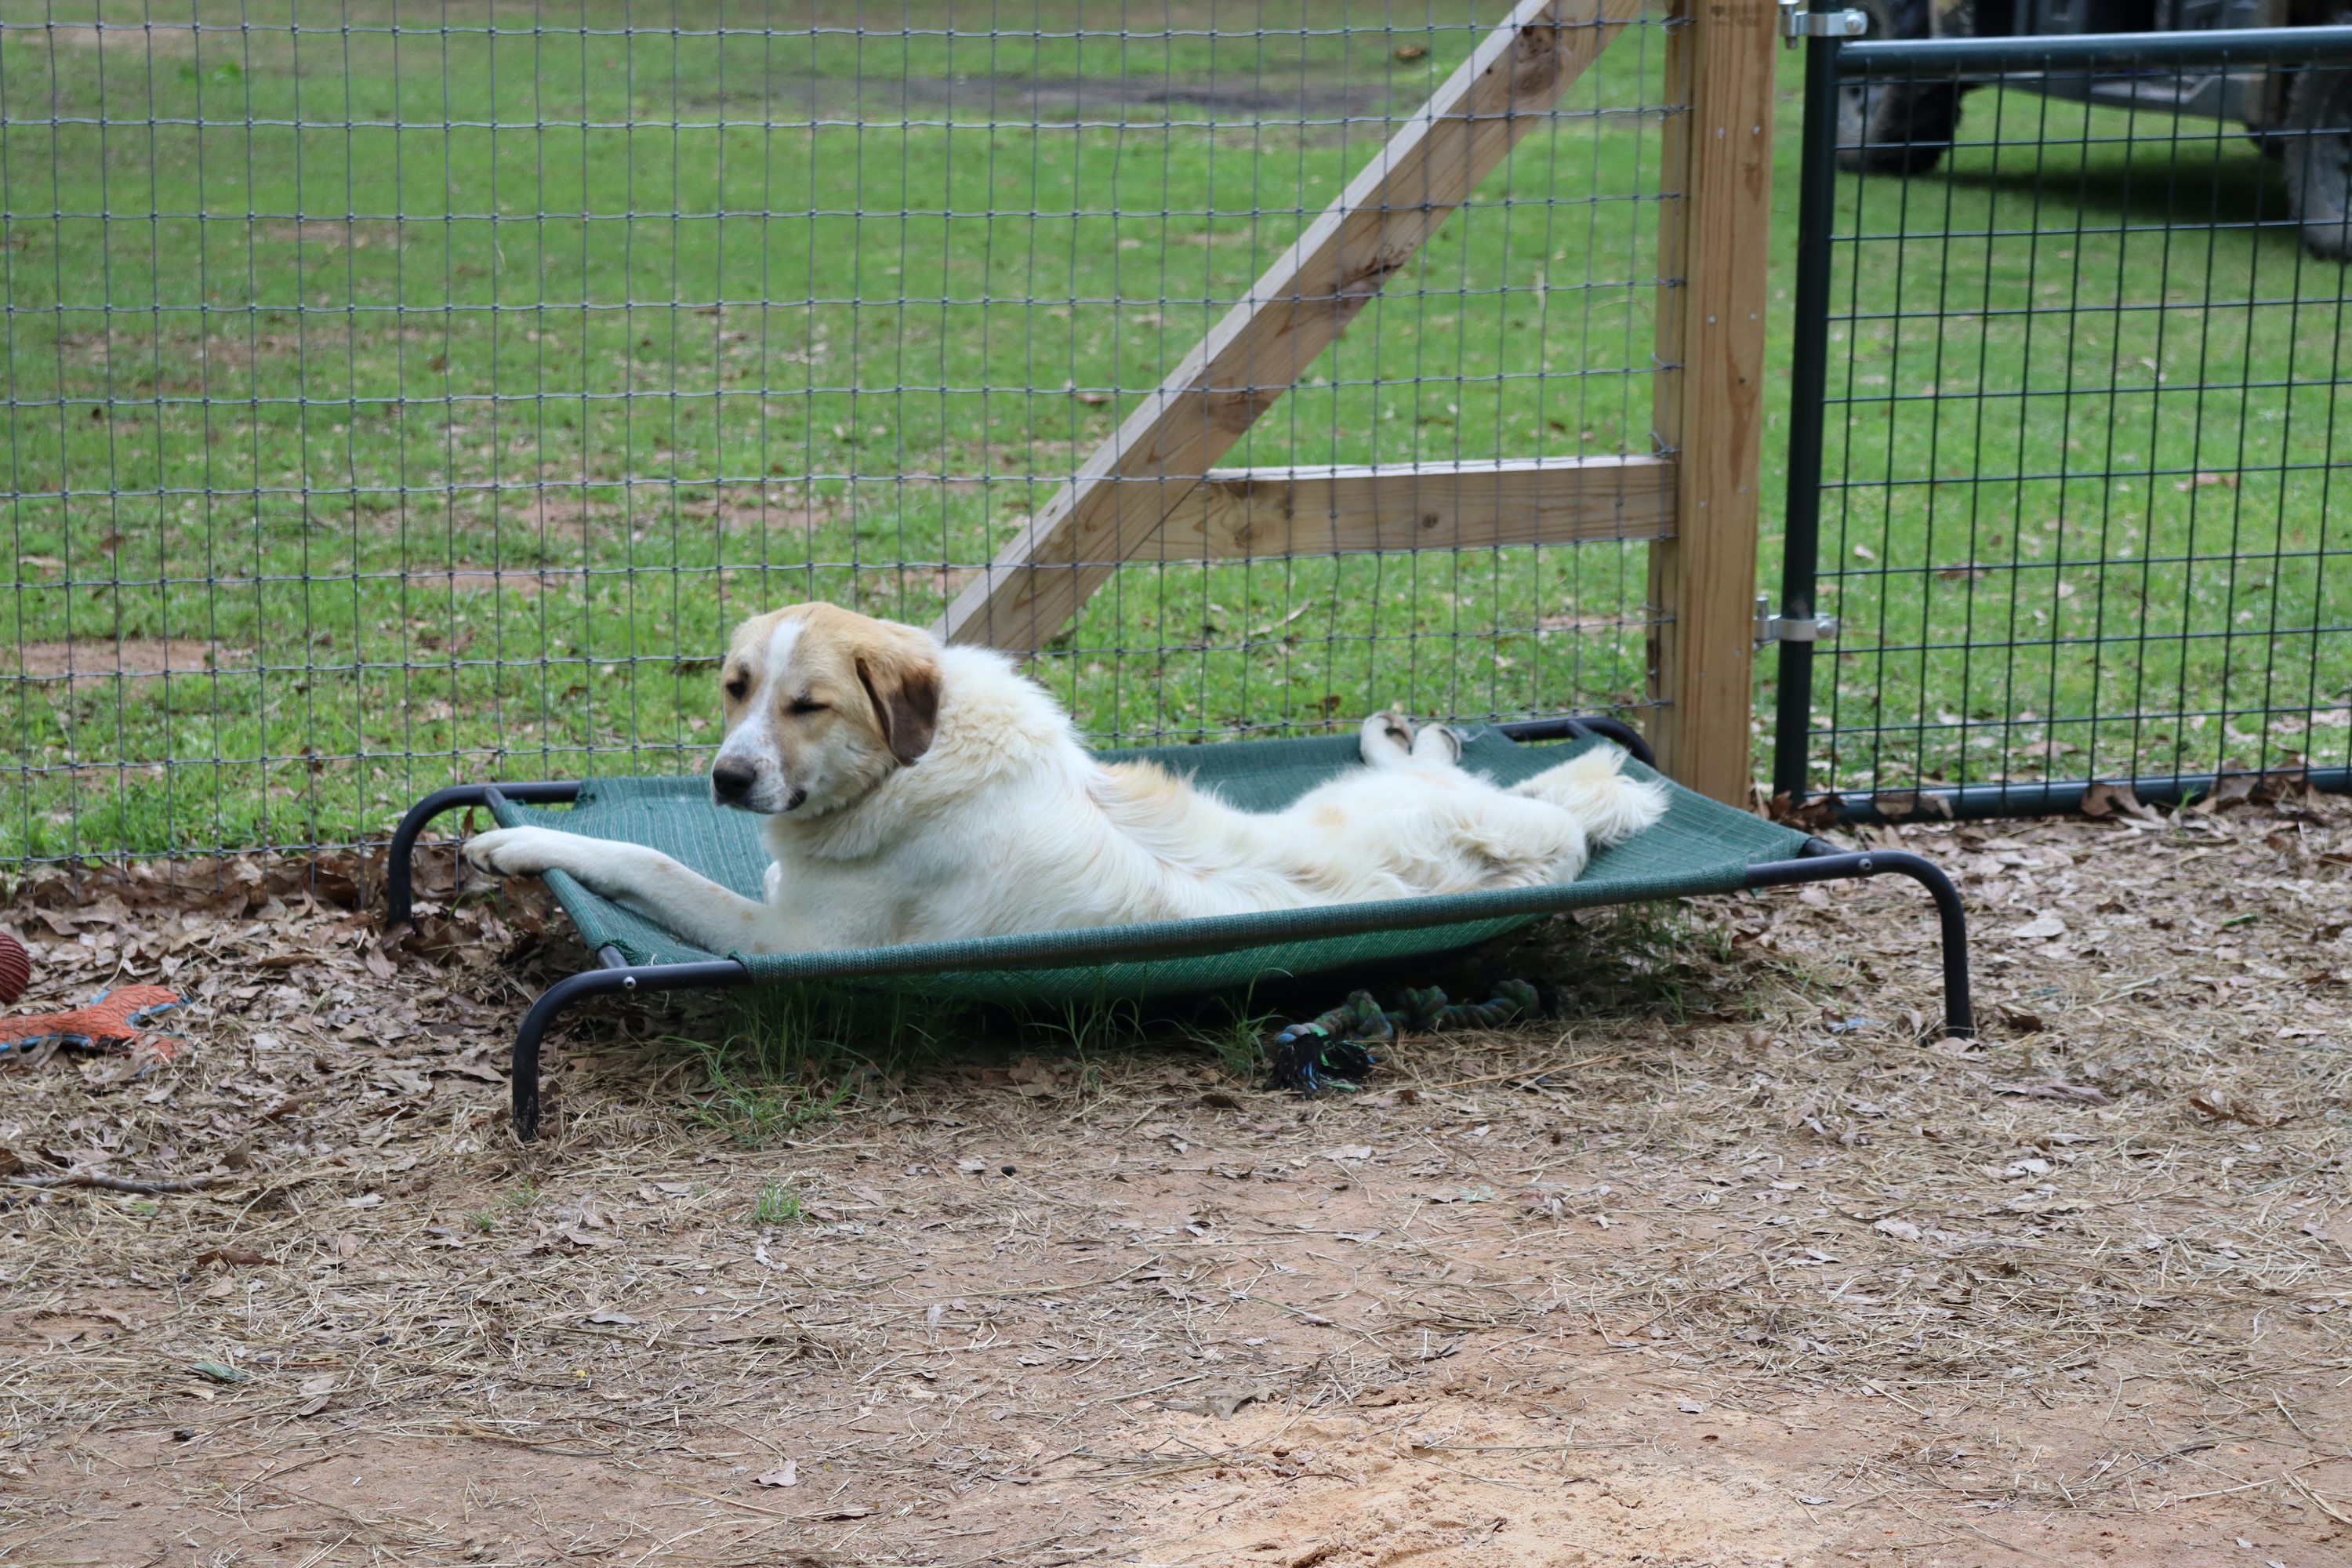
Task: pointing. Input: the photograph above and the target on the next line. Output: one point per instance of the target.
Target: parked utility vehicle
(2302, 116)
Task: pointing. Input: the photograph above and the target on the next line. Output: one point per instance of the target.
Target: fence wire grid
(2081, 512)
(403, 393)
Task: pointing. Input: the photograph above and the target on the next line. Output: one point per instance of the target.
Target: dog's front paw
(518, 851)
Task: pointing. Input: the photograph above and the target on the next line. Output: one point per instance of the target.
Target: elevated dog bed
(1700, 846)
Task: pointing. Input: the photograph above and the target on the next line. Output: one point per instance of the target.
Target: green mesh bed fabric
(1699, 847)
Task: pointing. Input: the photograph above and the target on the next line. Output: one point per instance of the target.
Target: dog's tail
(1609, 804)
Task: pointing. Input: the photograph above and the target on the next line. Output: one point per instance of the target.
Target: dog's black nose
(732, 780)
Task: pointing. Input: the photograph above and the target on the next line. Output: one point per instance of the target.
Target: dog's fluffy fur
(915, 792)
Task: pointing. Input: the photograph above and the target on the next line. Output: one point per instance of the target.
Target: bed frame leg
(400, 904)
(399, 871)
(616, 977)
(1825, 862)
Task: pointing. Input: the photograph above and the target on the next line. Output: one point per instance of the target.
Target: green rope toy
(1330, 1052)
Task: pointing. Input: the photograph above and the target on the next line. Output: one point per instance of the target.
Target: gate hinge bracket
(1772, 628)
(1798, 22)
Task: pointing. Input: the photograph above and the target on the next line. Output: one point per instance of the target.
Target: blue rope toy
(1330, 1052)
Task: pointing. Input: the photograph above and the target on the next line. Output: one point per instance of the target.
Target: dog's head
(823, 705)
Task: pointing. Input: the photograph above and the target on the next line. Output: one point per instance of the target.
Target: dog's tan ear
(904, 687)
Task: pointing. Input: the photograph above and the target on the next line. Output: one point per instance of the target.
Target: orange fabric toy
(113, 1022)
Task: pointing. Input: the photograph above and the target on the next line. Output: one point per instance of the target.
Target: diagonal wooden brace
(1134, 480)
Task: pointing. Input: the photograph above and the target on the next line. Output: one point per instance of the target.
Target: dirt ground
(1728, 1261)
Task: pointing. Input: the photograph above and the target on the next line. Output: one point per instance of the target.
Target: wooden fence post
(1712, 253)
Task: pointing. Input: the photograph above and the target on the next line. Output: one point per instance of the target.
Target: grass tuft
(777, 1205)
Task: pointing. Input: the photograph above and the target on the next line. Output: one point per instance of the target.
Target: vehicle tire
(2318, 162)
(1896, 127)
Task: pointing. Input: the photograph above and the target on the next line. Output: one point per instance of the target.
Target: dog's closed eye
(803, 705)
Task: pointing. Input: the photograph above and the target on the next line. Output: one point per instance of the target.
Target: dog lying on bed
(915, 792)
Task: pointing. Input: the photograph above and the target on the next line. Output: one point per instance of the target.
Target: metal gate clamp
(1797, 24)
(1771, 628)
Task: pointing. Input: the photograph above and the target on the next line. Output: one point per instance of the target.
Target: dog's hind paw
(1388, 740)
(1438, 744)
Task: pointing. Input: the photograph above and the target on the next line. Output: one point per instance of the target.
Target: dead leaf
(2023, 1022)
(1900, 1229)
(1822, 811)
(219, 1290)
(1895, 804)
(2042, 927)
(2102, 800)
(1223, 1403)
(2215, 1110)
(612, 1318)
(347, 1246)
(2231, 789)
(241, 1254)
(322, 1383)
(2289, 787)
(784, 1475)
(2075, 1093)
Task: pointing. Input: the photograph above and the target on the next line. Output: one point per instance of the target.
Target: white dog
(915, 792)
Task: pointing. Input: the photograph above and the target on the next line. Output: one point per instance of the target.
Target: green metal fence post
(1807, 388)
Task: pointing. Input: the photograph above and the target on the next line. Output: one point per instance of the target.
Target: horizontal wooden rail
(1240, 514)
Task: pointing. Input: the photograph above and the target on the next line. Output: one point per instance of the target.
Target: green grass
(777, 1205)
(784, 1059)
(476, 480)
(431, 400)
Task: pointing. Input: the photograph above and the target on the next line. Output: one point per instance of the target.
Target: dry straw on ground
(1730, 1261)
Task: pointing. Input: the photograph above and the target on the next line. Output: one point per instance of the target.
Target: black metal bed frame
(1821, 861)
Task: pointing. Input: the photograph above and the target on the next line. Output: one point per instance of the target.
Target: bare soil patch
(356, 234)
(1330, 98)
(528, 582)
(160, 38)
(1759, 1271)
(80, 662)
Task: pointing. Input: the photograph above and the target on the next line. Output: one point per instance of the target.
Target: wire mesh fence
(401, 393)
(2075, 310)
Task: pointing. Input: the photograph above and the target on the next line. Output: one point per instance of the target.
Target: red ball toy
(16, 969)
